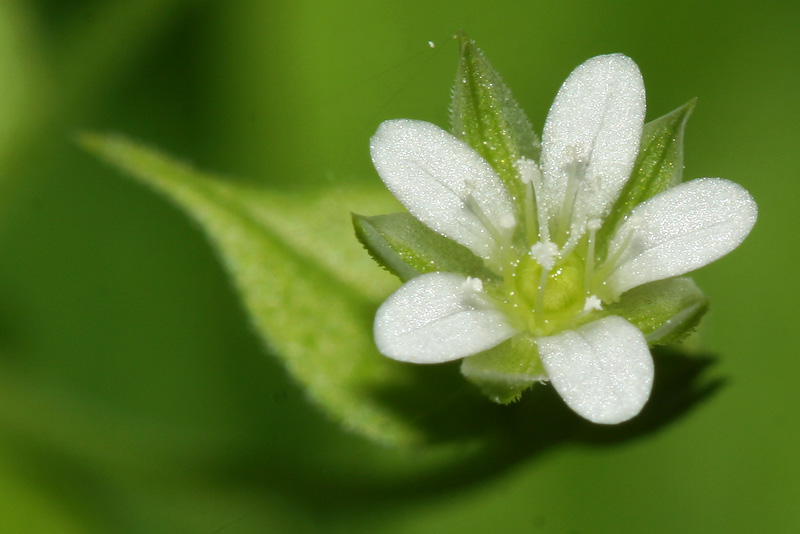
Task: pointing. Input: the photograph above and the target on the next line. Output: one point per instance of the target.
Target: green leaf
(484, 114)
(24, 90)
(665, 311)
(658, 167)
(503, 372)
(307, 285)
(27, 507)
(406, 247)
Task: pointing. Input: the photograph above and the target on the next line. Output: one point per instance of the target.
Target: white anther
(545, 254)
(473, 284)
(592, 303)
(507, 221)
(529, 172)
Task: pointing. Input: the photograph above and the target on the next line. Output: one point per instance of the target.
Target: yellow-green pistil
(543, 305)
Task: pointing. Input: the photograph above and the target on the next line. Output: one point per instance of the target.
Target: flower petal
(439, 317)
(443, 182)
(590, 141)
(602, 370)
(679, 230)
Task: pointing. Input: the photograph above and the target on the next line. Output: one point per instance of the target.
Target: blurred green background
(134, 396)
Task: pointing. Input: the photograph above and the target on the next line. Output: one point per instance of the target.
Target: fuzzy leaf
(406, 247)
(502, 373)
(484, 114)
(659, 166)
(311, 300)
(665, 311)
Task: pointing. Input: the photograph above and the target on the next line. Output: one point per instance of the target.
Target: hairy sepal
(484, 113)
(665, 311)
(502, 373)
(659, 166)
(407, 248)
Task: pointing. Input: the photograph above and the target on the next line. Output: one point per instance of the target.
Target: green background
(135, 397)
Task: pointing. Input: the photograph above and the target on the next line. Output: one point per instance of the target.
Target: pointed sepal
(665, 311)
(659, 166)
(407, 248)
(485, 115)
(502, 373)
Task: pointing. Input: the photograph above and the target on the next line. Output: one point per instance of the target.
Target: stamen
(538, 311)
(592, 226)
(610, 265)
(473, 294)
(530, 175)
(576, 170)
(592, 303)
(472, 284)
(528, 170)
(545, 253)
(541, 213)
(506, 221)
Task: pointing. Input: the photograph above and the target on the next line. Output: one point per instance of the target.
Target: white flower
(602, 368)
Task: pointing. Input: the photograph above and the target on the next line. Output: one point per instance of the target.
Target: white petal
(679, 230)
(433, 174)
(591, 137)
(438, 317)
(602, 370)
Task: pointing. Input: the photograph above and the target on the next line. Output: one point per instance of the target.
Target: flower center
(549, 300)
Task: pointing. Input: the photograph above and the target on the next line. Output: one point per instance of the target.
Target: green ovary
(562, 296)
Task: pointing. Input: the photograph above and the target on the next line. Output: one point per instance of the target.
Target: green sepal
(484, 114)
(503, 372)
(665, 311)
(407, 248)
(659, 166)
